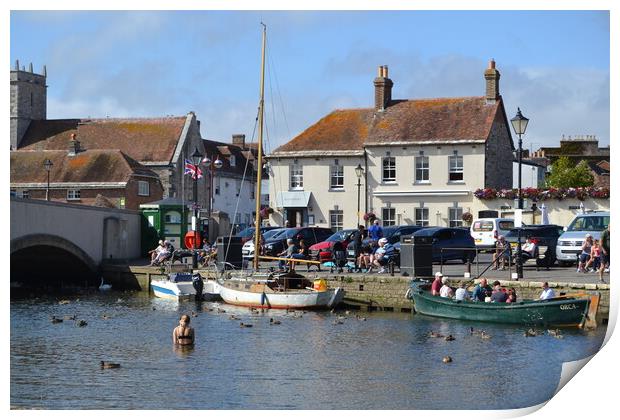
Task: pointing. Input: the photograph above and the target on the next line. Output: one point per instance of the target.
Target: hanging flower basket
(467, 217)
(369, 217)
(541, 194)
(265, 212)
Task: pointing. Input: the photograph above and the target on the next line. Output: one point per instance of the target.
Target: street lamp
(359, 171)
(196, 159)
(48, 167)
(519, 124)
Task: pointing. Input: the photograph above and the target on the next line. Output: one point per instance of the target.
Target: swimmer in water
(183, 334)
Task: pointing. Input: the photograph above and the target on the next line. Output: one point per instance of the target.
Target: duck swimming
(82, 323)
(530, 333)
(55, 320)
(109, 365)
(447, 359)
(434, 334)
(274, 322)
(242, 325)
(449, 338)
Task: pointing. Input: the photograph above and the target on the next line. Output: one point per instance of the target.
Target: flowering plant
(265, 212)
(369, 217)
(540, 194)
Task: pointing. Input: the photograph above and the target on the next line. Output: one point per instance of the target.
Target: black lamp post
(359, 171)
(48, 167)
(519, 124)
(196, 159)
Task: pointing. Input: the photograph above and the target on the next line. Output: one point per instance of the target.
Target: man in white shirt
(547, 292)
(445, 291)
(462, 293)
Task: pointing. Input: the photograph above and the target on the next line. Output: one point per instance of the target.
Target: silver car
(569, 244)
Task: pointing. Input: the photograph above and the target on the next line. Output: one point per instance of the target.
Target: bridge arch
(50, 262)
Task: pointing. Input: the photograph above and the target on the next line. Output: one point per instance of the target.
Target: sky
(554, 65)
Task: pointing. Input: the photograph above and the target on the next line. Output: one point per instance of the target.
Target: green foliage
(564, 174)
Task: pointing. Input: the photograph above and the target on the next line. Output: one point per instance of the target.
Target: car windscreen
(589, 223)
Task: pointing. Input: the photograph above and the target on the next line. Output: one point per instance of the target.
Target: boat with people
(562, 311)
(282, 290)
(185, 286)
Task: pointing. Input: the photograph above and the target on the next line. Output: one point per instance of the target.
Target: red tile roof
(145, 140)
(403, 122)
(88, 166)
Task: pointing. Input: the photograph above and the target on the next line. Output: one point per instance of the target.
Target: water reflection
(388, 361)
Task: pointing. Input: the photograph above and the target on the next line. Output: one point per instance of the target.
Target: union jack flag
(192, 169)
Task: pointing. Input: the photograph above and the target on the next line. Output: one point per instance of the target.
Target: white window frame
(422, 167)
(144, 188)
(422, 216)
(296, 177)
(388, 216)
(455, 168)
(455, 216)
(336, 177)
(336, 219)
(74, 194)
(388, 164)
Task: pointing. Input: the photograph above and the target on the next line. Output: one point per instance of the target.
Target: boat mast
(259, 167)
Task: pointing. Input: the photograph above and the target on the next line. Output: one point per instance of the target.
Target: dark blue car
(450, 243)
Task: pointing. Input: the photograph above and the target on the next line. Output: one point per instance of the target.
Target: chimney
(383, 89)
(239, 140)
(74, 145)
(491, 75)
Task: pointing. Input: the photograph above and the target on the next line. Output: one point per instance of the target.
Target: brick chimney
(383, 89)
(491, 75)
(74, 145)
(239, 140)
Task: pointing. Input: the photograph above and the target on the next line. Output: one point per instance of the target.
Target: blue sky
(554, 65)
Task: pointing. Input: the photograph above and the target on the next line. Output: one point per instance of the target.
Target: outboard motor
(198, 285)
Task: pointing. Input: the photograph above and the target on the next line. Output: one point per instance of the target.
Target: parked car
(450, 243)
(544, 236)
(485, 231)
(322, 251)
(391, 233)
(310, 235)
(247, 251)
(248, 233)
(569, 244)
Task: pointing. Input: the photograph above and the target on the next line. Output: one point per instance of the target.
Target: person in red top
(436, 286)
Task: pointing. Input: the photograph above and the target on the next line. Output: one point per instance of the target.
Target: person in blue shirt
(385, 251)
(480, 291)
(375, 232)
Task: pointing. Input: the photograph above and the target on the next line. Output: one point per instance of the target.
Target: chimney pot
(380, 71)
(383, 89)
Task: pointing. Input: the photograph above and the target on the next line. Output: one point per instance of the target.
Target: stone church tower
(28, 100)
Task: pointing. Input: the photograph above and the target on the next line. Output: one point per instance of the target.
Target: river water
(309, 361)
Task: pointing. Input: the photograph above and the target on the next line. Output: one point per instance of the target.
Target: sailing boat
(274, 290)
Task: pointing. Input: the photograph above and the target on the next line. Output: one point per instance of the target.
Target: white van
(486, 231)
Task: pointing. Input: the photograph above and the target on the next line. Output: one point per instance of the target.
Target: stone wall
(498, 156)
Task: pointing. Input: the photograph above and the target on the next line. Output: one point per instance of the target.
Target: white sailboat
(275, 290)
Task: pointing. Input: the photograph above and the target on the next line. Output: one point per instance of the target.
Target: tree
(564, 174)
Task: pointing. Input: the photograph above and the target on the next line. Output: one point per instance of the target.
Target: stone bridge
(54, 245)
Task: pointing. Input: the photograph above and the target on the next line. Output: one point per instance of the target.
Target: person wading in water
(183, 335)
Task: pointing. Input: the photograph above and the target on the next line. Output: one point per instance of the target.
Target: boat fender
(408, 293)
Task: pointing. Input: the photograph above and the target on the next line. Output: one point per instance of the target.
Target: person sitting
(301, 254)
(498, 294)
(480, 291)
(529, 250)
(287, 253)
(437, 284)
(445, 291)
(364, 261)
(383, 254)
(547, 292)
(512, 295)
(502, 254)
(595, 257)
(155, 252)
(461, 293)
(586, 251)
(164, 254)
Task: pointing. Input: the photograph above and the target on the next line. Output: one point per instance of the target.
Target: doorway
(295, 216)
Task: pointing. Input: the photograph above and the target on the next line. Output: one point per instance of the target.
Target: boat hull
(558, 312)
(184, 290)
(261, 297)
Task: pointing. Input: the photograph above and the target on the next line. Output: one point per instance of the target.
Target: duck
(361, 318)
(82, 323)
(484, 335)
(338, 321)
(234, 318)
(242, 325)
(55, 320)
(274, 321)
(553, 332)
(347, 312)
(447, 359)
(221, 311)
(449, 338)
(530, 333)
(104, 287)
(434, 334)
(64, 302)
(70, 317)
(105, 316)
(109, 365)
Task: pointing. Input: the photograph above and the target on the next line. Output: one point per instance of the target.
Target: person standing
(547, 292)
(375, 232)
(358, 237)
(183, 335)
(586, 251)
(605, 260)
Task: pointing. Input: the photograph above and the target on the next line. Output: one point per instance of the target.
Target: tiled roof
(403, 122)
(145, 139)
(89, 166)
(600, 168)
(225, 151)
